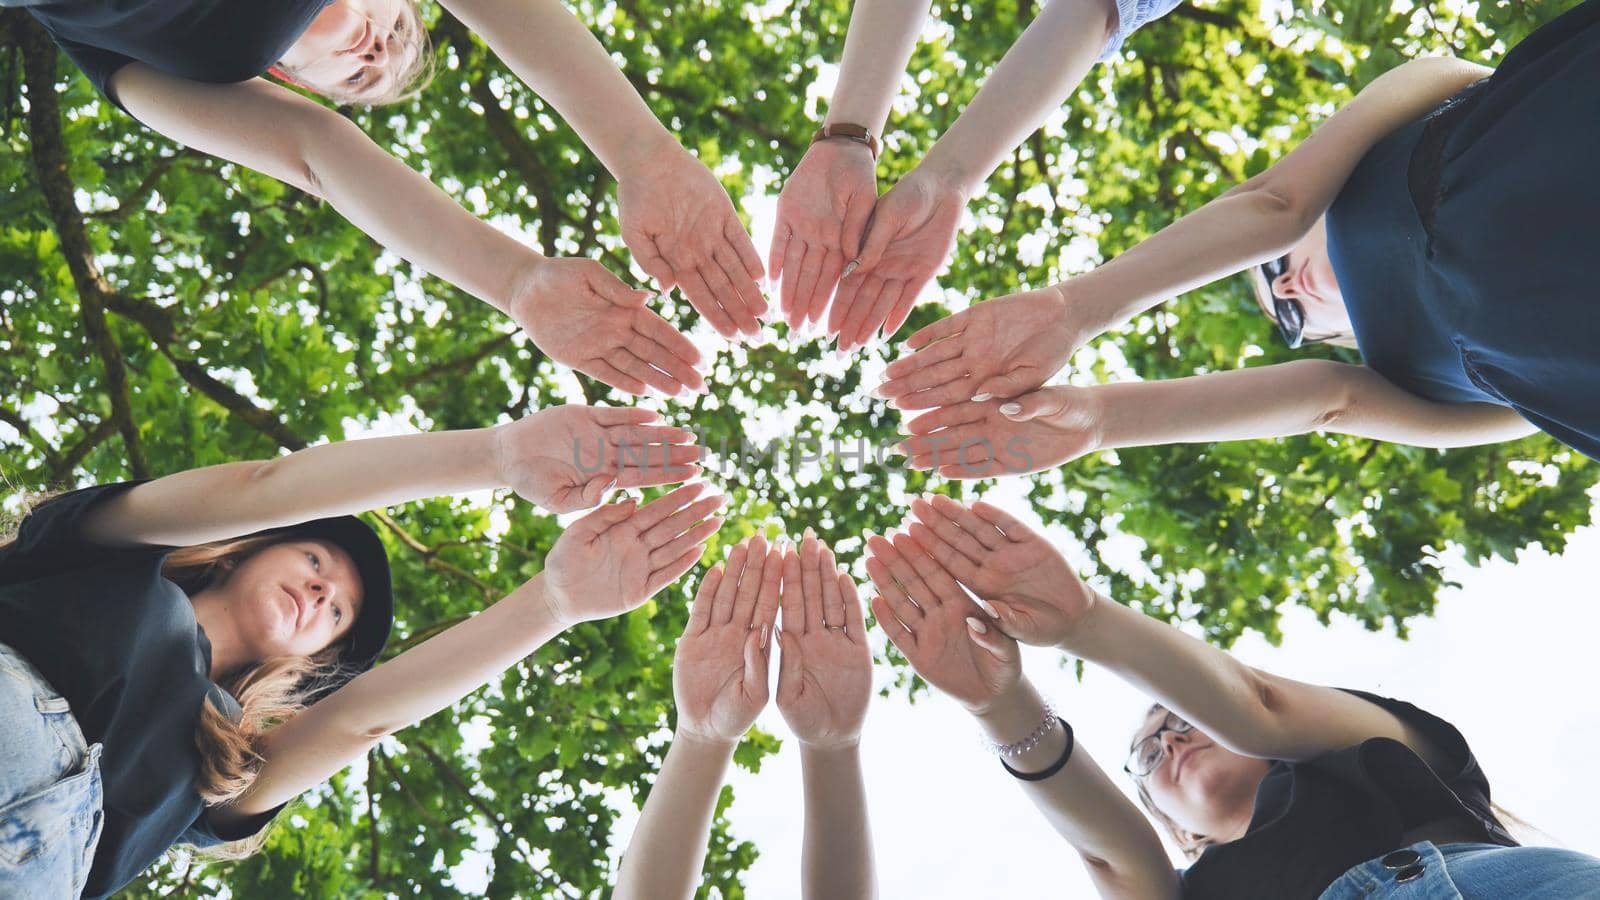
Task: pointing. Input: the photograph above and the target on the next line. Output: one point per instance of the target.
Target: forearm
(326, 737)
(1032, 80)
(553, 53)
(837, 858)
(1122, 852)
(878, 45)
(668, 846)
(345, 477)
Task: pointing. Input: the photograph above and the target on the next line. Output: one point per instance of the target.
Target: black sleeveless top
(1315, 819)
(216, 41)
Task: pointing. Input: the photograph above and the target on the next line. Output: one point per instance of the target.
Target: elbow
(1336, 392)
(1269, 705)
(1290, 212)
(320, 135)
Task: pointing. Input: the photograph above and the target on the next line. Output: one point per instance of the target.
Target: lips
(1178, 762)
(299, 605)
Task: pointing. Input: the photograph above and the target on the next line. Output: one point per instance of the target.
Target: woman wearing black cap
(162, 642)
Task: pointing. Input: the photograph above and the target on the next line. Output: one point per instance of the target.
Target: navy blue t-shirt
(121, 644)
(214, 41)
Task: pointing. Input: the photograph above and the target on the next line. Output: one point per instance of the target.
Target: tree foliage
(165, 310)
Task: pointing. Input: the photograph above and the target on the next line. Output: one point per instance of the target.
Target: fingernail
(810, 533)
(1011, 409)
(878, 392)
(896, 450)
(979, 398)
(903, 427)
(987, 607)
(848, 268)
(977, 625)
(764, 636)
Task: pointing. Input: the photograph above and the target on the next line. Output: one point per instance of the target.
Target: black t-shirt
(216, 41)
(1314, 820)
(121, 644)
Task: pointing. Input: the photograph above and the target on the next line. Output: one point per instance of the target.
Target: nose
(1284, 286)
(377, 50)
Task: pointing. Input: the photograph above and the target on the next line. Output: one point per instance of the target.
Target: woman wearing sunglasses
(1441, 223)
(1273, 788)
(191, 70)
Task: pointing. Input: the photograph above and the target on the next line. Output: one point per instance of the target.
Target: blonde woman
(179, 658)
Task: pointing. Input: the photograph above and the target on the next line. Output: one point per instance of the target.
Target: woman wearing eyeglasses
(1441, 223)
(1274, 789)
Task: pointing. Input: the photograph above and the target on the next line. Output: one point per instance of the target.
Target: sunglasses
(1287, 312)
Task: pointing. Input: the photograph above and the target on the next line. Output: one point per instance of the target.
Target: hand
(999, 348)
(1044, 429)
(933, 622)
(678, 221)
(824, 663)
(615, 558)
(822, 213)
(719, 672)
(582, 316)
(1022, 582)
(566, 457)
(910, 235)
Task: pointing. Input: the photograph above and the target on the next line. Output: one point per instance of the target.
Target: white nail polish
(977, 625)
(979, 398)
(987, 607)
(1011, 409)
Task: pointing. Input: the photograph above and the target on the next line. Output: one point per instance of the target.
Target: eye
(399, 25)
(316, 563)
(355, 79)
(338, 616)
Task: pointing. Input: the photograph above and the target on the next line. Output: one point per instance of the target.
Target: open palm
(565, 458)
(719, 671)
(825, 664)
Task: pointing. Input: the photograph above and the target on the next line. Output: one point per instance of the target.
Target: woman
(719, 677)
(1441, 221)
(179, 658)
(1275, 788)
(189, 70)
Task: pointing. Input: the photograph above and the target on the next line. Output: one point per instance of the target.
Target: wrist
(544, 614)
(522, 282)
(831, 752)
(1073, 641)
(950, 173)
(638, 156)
(695, 741)
(1010, 716)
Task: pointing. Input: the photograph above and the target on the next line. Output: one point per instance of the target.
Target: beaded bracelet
(1054, 767)
(1027, 743)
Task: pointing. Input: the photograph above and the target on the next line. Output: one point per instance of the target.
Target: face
(1307, 277)
(354, 48)
(1200, 784)
(291, 599)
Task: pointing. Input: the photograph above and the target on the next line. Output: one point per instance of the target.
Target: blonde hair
(410, 79)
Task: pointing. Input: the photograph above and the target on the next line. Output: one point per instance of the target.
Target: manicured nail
(810, 534)
(977, 625)
(979, 398)
(764, 635)
(878, 392)
(1011, 409)
(896, 450)
(849, 267)
(987, 607)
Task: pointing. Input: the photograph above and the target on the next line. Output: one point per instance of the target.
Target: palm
(708, 681)
(597, 578)
(973, 440)
(677, 220)
(537, 460)
(946, 656)
(1030, 581)
(827, 704)
(822, 214)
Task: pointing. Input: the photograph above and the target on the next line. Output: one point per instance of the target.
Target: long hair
(409, 80)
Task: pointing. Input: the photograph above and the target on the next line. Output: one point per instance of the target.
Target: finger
(1010, 384)
(667, 504)
(941, 583)
(679, 522)
(861, 310)
(947, 532)
(900, 568)
(781, 236)
(766, 614)
(754, 305)
(898, 633)
(855, 622)
(616, 291)
(890, 589)
(972, 523)
(794, 609)
(991, 639)
(950, 393)
(631, 365)
(974, 469)
(810, 273)
(853, 232)
(879, 234)
(727, 293)
(704, 596)
(962, 443)
(744, 249)
(832, 600)
(672, 571)
(793, 262)
(708, 303)
(728, 591)
(657, 329)
(606, 373)
(927, 377)
(606, 416)
(648, 255)
(901, 309)
(947, 417)
(680, 467)
(632, 437)
(744, 603)
(811, 580)
(832, 265)
(790, 666)
(844, 300)
(652, 353)
(1030, 406)
(1010, 526)
(949, 326)
(595, 490)
(755, 666)
(603, 519)
(927, 356)
(683, 543)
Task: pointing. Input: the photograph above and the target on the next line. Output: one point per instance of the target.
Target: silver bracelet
(1027, 743)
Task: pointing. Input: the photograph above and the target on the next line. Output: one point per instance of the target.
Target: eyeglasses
(1287, 312)
(1146, 756)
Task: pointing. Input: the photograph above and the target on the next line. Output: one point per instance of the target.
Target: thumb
(1006, 385)
(880, 233)
(755, 665)
(789, 667)
(607, 516)
(857, 213)
(595, 490)
(1032, 406)
(991, 639)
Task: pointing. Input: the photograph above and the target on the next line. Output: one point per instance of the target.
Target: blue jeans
(1471, 872)
(50, 795)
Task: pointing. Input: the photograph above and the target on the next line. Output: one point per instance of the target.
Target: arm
(607, 563)
(1266, 215)
(719, 680)
(824, 688)
(676, 217)
(535, 456)
(1034, 596)
(827, 200)
(928, 616)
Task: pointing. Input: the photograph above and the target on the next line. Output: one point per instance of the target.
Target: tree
(163, 310)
